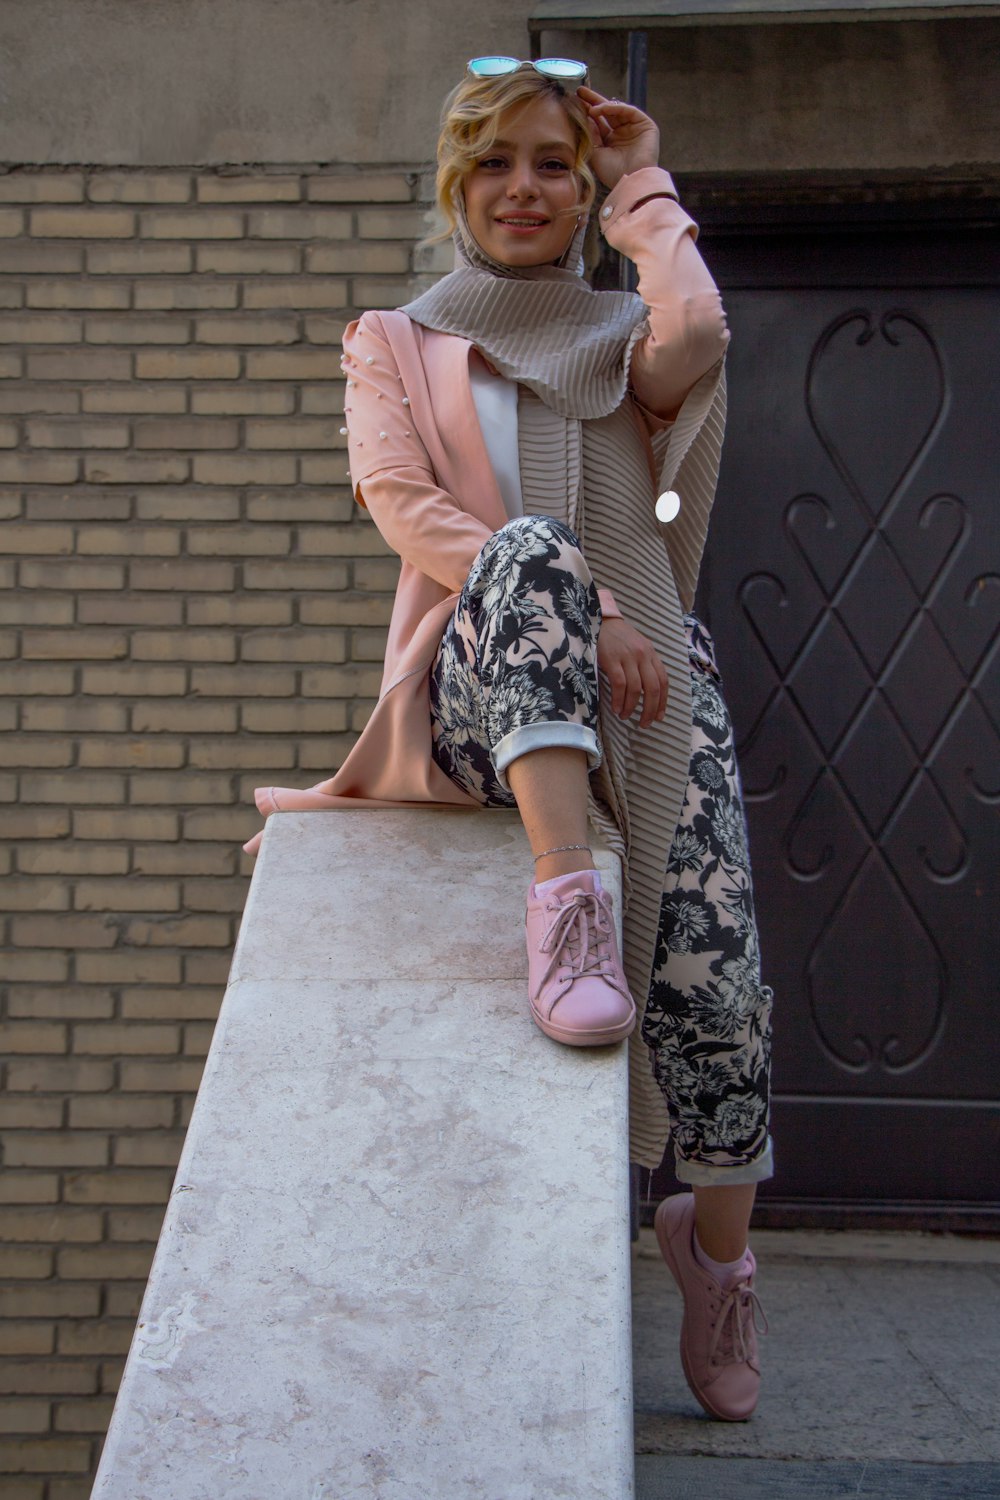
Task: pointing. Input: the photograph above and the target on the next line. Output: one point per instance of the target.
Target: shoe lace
(731, 1337)
(579, 938)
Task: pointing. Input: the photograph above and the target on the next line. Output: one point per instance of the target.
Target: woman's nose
(522, 183)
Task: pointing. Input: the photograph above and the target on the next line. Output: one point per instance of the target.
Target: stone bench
(395, 1262)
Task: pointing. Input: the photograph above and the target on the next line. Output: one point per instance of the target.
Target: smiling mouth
(523, 223)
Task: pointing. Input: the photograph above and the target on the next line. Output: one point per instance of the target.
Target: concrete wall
(196, 198)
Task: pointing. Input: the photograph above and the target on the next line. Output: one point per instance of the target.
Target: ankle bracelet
(562, 849)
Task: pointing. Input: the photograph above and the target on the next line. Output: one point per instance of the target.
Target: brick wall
(192, 606)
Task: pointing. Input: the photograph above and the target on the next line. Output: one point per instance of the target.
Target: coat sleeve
(688, 333)
(391, 472)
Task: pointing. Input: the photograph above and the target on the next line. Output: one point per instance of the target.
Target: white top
(496, 405)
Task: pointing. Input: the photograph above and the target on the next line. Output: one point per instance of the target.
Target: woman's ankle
(552, 865)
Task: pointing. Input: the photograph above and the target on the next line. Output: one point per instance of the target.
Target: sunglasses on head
(564, 70)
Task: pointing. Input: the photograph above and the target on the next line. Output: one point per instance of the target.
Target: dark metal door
(853, 588)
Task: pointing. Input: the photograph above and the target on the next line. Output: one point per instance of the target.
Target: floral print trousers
(517, 670)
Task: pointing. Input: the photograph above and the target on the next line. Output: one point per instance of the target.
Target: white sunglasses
(564, 70)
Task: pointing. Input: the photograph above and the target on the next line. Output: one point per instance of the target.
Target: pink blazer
(416, 447)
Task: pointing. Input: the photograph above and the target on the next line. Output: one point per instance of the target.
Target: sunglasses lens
(563, 68)
(493, 67)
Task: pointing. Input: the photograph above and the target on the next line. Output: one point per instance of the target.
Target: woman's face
(516, 195)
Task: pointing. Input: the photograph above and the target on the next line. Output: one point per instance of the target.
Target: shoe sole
(667, 1251)
(605, 1037)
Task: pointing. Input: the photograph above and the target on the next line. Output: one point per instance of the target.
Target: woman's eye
(492, 162)
(556, 165)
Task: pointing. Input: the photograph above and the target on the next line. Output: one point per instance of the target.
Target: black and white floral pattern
(521, 649)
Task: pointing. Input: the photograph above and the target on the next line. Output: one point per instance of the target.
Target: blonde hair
(470, 123)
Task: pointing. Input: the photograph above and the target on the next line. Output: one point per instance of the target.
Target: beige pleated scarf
(583, 459)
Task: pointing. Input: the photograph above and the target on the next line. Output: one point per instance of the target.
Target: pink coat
(429, 484)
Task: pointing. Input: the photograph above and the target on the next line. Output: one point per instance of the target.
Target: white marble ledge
(396, 1259)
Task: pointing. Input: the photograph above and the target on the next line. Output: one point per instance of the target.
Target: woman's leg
(551, 791)
(722, 1219)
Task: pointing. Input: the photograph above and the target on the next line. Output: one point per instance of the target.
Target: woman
(510, 432)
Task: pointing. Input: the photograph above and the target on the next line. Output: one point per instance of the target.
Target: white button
(606, 211)
(668, 507)
(343, 432)
(383, 436)
(370, 360)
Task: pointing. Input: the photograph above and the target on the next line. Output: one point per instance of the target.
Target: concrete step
(395, 1261)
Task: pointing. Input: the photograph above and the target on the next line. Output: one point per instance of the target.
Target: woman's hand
(634, 671)
(624, 139)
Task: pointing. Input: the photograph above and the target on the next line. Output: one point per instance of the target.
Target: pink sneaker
(576, 985)
(718, 1334)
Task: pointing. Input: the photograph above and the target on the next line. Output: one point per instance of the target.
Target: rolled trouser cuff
(704, 1174)
(544, 736)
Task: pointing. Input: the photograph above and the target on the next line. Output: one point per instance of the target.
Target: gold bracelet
(562, 849)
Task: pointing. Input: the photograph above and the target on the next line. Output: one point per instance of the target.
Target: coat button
(668, 507)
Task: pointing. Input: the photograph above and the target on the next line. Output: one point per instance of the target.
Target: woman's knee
(526, 537)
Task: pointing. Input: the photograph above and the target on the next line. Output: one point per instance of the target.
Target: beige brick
(55, 1148)
(82, 223)
(193, 224)
(10, 362)
(298, 294)
(165, 859)
(126, 895)
(237, 611)
(292, 646)
(93, 787)
(374, 291)
(124, 824)
(320, 329)
(134, 330)
(119, 1186)
(38, 468)
(143, 966)
(207, 968)
(341, 682)
(412, 222)
(248, 681)
(167, 432)
(26, 1262)
(293, 718)
(35, 258)
(184, 575)
(80, 505)
(76, 294)
(322, 470)
(183, 645)
(231, 754)
(179, 788)
(56, 186)
(293, 364)
(34, 895)
(368, 645)
(179, 1075)
(64, 1074)
(123, 1299)
(187, 364)
(139, 260)
(297, 574)
(27, 1338)
(364, 256)
(126, 1039)
(50, 1301)
(26, 679)
(241, 401)
(35, 968)
(235, 468)
(23, 1417)
(248, 260)
(358, 187)
(36, 823)
(131, 753)
(53, 1225)
(343, 541)
(29, 1036)
(74, 717)
(39, 398)
(26, 610)
(26, 1489)
(9, 434)
(255, 187)
(133, 679)
(30, 1187)
(345, 609)
(139, 187)
(215, 895)
(376, 573)
(34, 539)
(12, 222)
(198, 1040)
(120, 1112)
(306, 432)
(72, 859)
(279, 328)
(69, 1005)
(86, 1416)
(135, 398)
(139, 1225)
(126, 610)
(109, 468)
(183, 1004)
(299, 224)
(299, 505)
(132, 542)
(326, 753)
(48, 1454)
(70, 433)
(66, 645)
(184, 718)
(41, 328)
(237, 824)
(322, 400)
(182, 932)
(243, 541)
(84, 364)
(105, 1261)
(149, 1149)
(109, 1336)
(187, 504)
